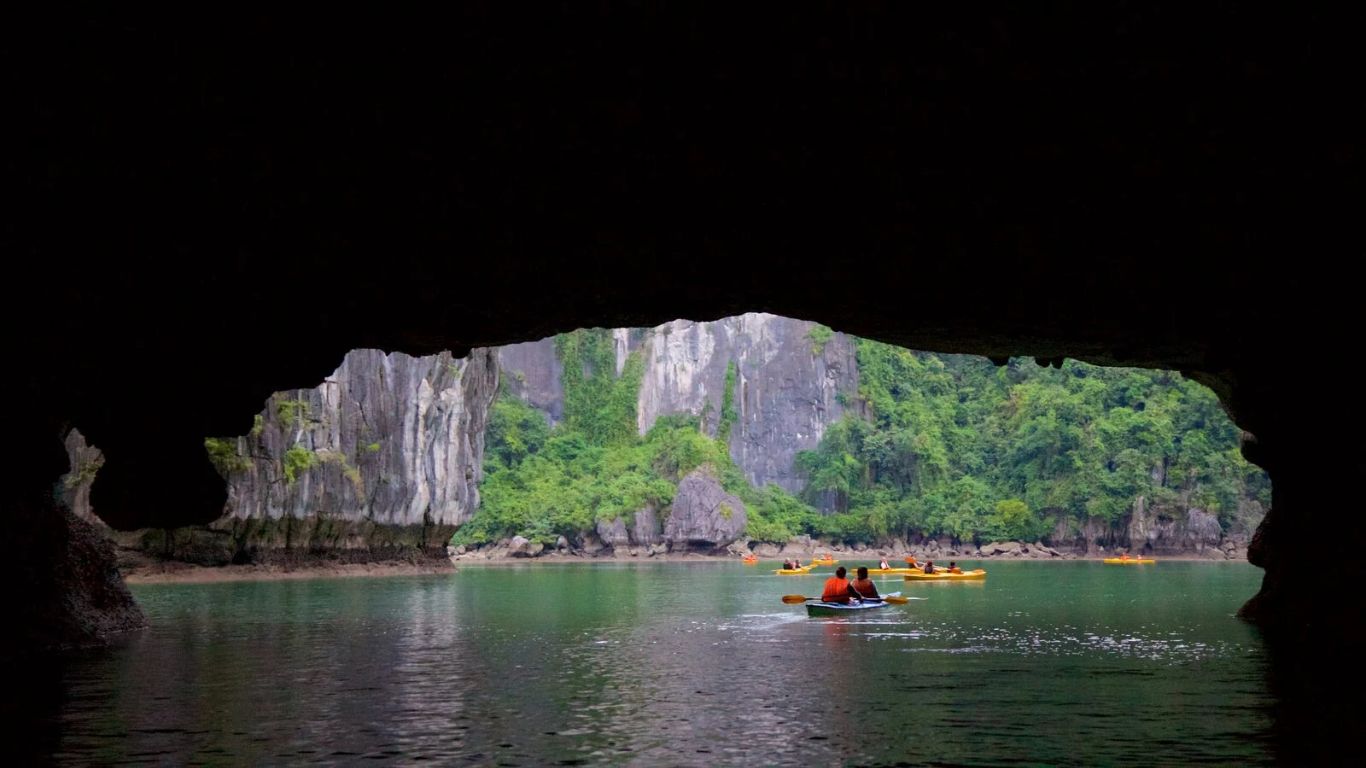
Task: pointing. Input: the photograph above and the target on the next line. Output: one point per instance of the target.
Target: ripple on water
(676, 666)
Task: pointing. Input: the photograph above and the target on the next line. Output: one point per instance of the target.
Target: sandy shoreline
(185, 573)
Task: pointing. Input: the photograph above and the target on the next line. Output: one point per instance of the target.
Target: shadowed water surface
(680, 664)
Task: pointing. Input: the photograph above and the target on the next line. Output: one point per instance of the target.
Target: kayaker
(787, 565)
(929, 566)
(883, 565)
(796, 563)
(953, 567)
(836, 588)
(864, 587)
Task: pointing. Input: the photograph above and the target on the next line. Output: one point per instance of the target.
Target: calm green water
(682, 664)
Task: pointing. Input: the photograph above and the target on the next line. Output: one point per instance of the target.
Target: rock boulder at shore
(521, 547)
(73, 595)
(704, 516)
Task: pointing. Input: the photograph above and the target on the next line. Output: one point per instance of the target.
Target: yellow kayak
(890, 571)
(794, 572)
(976, 575)
(824, 562)
(1130, 561)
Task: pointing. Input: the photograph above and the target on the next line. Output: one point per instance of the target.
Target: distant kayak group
(928, 572)
(1124, 559)
(842, 594)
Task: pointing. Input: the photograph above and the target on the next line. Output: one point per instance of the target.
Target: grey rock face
(86, 461)
(643, 532)
(785, 392)
(1159, 529)
(646, 531)
(389, 439)
(1169, 530)
(532, 371)
(703, 514)
(613, 533)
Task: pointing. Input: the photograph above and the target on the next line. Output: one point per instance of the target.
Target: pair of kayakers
(838, 588)
(953, 567)
(791, 564)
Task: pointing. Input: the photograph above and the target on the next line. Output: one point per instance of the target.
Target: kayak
(818, 608)
(1130, 561)
(747, 561)
(824, 562)
(794, 571)
(892, 570)
(976, 575)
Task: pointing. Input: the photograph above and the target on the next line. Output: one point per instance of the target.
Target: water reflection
(673, 664)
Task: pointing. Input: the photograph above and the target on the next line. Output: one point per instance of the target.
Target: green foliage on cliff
(598, 404)
(951, 446)
(960, 447)
(728, 413)
(542, 482)
(291, 413)
(224, 456)
(297, 460)
(819, 335)
(84, 473)
(350, 471)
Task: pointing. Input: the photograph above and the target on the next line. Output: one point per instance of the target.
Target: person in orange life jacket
(837, 588)
(929, 566)
(953, 567)
(864, 587)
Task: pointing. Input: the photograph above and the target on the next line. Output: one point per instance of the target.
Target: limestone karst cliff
(386, 455)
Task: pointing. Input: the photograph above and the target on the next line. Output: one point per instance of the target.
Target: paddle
(893, 599)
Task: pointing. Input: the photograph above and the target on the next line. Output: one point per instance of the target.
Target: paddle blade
(794, 599)
(896, 600)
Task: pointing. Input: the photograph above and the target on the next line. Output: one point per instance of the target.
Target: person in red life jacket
(836, 588)
(863, 586)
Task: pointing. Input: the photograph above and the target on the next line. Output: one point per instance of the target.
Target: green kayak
(818, 608)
